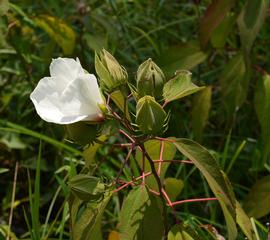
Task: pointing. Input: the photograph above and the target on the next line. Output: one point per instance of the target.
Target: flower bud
(150, 79)
(111, 74)
(150, 116)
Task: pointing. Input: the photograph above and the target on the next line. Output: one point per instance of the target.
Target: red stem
(193, 200)
(160, 157)
(126, 135)
(131, 182)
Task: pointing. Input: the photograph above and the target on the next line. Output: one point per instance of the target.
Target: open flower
(70, 95)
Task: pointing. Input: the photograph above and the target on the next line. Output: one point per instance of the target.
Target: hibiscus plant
(113, 110)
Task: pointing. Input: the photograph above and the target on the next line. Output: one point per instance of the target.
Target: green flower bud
(111, 74)
(150, 116)
(150, 79)
(82, 132)
(87, 188)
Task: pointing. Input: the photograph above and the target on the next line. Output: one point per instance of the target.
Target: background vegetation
(225, 44)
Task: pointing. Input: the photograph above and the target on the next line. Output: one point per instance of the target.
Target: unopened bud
(150, 116)
(150, 79)
(111, 74)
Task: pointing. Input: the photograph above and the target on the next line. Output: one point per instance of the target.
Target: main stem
(154, 172)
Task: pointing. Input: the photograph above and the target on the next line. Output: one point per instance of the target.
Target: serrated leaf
(139, 211)
(200, 111)
(213, 16)
(153, 149)
(262, 107)
(208, 166)
(256, 203)
(251, 20)
(59, 31)
(183, 56)
(180, 86)
(234, 84)
(173, 187)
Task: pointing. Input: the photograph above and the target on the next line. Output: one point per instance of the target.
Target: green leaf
(213, 16)
(180, 86)
(153, 149)
(120, 101)
(244, 222)
(182, 232)
(90, 152)
(150, 116)
(3, 170)
(4, 6)
(250, 21)
(184, 56)
(208, 166)
(173, 187)
(59, 31)
(257, 202)
(139, 212)
(87, 188)
(95, 42)
(262, 107)
(86, 217)
(220, 34)
(200, 111)
(234, 84)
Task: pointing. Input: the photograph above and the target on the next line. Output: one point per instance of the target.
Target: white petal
(65, 70)
(80, 100)
(46, 100)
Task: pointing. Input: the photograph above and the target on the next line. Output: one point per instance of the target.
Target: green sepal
(150, 116)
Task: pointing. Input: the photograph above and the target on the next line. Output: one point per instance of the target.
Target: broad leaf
(86, 217)
(208, 166)
(140, 216)
(173, 187)
(262, 106)
(182, 232)
(257, 202)
(200, 111)
(180, 86)
(90, 152)
(220, 34)
(213, 16)
(244, 222)
(250, 21)
(3, 7)
(59, 31)
(153, 149)
(183, 56)
(120, 101)
(234, 83)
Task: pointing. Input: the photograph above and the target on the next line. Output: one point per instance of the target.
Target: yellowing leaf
(59, 31)
(114, 235)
